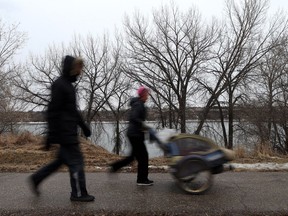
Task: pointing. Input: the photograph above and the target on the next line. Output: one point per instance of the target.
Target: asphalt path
(233, 193)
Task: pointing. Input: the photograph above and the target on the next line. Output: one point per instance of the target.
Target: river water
(103, 135)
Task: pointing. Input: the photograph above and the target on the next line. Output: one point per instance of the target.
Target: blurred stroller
(193, 160)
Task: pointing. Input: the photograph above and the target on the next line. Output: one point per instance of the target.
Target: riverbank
(24, 153)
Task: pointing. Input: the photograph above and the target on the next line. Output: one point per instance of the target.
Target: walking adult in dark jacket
(63, 121)
(135, 134)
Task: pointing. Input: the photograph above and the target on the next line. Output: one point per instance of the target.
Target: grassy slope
(24, 153)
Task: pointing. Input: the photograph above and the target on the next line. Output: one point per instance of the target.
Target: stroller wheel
(194, 177)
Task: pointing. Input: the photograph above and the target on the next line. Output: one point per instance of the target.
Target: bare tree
(100, 72)
(8, 108)
(169, 53)
(245, 39)
(271, 98)
(36, 77)
(281, 125)
(165, 114)
(117, 104)
(98, 81)
(271, 79)
(11, 41)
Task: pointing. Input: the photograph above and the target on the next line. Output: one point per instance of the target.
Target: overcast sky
(56, 21)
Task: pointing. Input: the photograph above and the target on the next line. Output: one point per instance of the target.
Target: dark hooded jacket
(62, 114)
(137, 116)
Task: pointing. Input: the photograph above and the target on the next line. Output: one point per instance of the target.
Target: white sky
(56, 21)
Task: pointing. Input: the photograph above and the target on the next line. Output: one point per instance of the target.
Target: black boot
(146, 182)
(83, 198)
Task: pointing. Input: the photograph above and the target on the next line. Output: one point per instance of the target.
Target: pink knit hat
(142, 90)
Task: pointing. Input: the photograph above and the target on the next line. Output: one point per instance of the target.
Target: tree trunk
(117, 146)
(230, 121)
(170, 117)
(222, 118)
(270, 116)
(182, 114)
(204, 114)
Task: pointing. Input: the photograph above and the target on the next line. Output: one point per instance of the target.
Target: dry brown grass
(24, 153)
(264, 151)
(261, 154)
(13, 141)
(240, 152)
(159, 161)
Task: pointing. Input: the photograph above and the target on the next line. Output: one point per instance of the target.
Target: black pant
(71, 156)
(138, 152)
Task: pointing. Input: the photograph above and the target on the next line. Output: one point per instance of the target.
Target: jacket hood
(67, 65)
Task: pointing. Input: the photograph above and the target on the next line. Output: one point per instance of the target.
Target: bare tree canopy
(226, 68)
(34, 79)
(101, 77)
(11, 41)
(245, 38)
(168, 52)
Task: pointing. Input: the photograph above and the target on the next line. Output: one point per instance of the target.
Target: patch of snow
(237, 166)
(240, 166)
(261, 166)
(99, 168)
(159, 167)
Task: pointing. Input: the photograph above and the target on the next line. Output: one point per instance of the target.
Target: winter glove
(86, 130)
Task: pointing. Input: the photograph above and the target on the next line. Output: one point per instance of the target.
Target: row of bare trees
(270, 99)
(246, 37)
(101, 86)
(237, 65)
(11, 41)
(182, 58)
